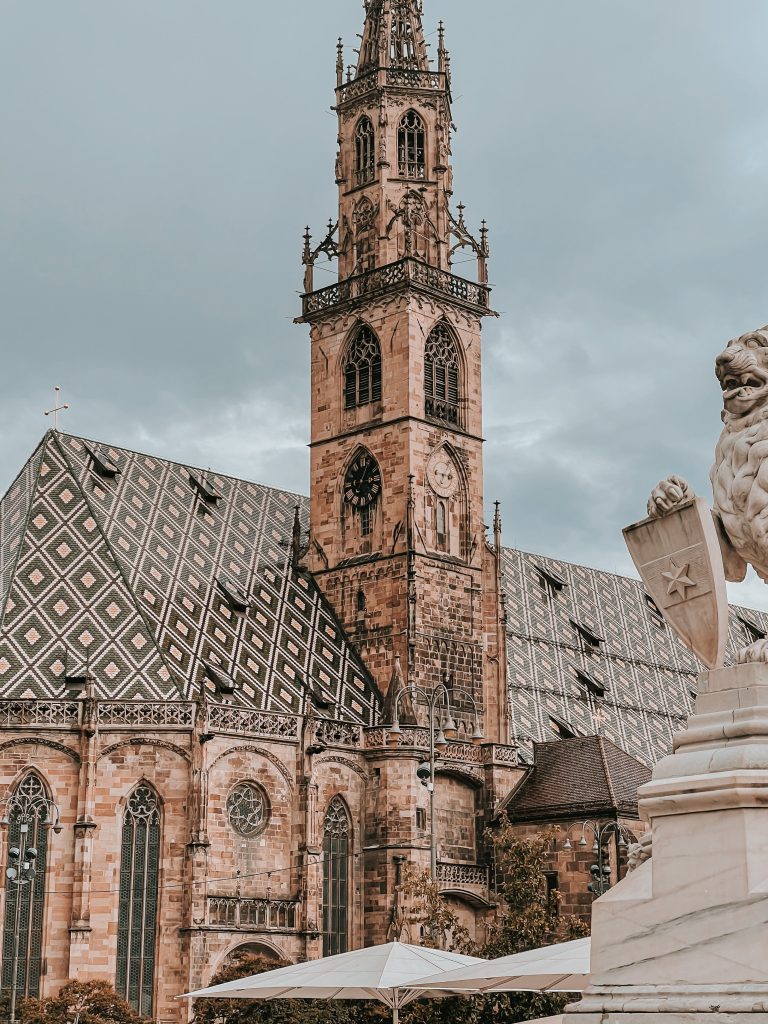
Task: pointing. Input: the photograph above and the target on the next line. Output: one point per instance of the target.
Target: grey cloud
(160, 162)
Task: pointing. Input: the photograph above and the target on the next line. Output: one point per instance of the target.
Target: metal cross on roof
(57, 408)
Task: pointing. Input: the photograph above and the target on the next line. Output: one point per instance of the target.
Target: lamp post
(601, 871)
(437, 701)
(23, 808)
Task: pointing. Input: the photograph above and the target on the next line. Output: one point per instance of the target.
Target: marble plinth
(685, 935)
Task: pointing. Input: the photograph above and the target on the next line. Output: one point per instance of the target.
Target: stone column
(85, 826)
(685, 936)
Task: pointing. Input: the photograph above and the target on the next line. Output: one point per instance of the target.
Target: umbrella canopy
(388, 973)
(563, 967)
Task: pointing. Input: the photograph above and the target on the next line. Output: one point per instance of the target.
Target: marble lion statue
(740, 472)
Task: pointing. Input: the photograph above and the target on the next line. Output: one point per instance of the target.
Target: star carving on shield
(678, 579)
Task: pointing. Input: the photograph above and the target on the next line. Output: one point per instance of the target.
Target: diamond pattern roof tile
(122, 572)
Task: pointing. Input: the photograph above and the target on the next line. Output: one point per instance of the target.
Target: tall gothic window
(441, 376)
(441, 524)
(411, 146)
(336, 878)
(362, 370)
(25, 902)
(365, 152)
(137, 913)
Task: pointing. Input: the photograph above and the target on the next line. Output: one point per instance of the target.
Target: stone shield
(679, 561)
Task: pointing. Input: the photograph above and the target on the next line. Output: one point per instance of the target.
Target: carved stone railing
(245, 722)
(337, 734)
(357, 87)
(404, 272)
(156, 714)
(39, 712)
(409, 79)
(467, 752)
(253, 914)
(499, 753)
(461, 876)
(410, 736)
(403, 78)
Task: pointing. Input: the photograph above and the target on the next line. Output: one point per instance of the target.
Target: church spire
(393, 36)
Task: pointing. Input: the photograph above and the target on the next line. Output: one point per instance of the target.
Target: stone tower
(398, 542)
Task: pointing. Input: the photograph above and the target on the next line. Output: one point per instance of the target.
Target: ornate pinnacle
(339, 62)
(306, 255)
(484, 238)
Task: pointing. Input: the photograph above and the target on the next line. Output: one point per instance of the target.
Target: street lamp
(600, 871)
(23, 808)
(438, 702)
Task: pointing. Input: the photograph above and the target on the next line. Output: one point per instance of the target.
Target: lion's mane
(740, 485)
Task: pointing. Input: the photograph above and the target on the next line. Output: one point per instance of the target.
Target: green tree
(526, 918)
(279, 1011)
(78, 1002)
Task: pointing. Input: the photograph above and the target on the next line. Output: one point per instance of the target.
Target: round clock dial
(442, 476)
(363, 482)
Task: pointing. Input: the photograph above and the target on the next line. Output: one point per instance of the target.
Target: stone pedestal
(685, 936)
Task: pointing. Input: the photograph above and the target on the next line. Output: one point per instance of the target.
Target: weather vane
(57, 408)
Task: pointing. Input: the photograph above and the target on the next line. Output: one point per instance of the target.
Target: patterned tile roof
(136, 578)
(633, 681)
(127, 576)
(583, 776)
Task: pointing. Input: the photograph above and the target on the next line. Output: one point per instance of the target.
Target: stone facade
(228, 651)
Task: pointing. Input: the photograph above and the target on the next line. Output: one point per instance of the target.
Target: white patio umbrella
(563, 967)
(388, 972)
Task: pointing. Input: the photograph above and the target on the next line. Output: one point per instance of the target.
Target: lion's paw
(758, 651)
(668, 495)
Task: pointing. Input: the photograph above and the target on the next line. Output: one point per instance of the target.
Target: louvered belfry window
(365, 156)
(137, 914)
(441, 377)
(336, 835)
(411, 146)
(32, 901)
(362, 370)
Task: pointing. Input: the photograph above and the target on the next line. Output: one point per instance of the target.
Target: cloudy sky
(160, 160)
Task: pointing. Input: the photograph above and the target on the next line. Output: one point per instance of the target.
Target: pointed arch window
(411, 146)
(362, 370)
(25, 906)
(336, 838)
(137, 911)
(365, 152)
(441, 377)
(441, 524)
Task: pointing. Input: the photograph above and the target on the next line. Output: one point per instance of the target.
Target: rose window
(247, 809)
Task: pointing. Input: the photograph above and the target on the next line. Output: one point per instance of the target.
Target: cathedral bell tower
(398, 542)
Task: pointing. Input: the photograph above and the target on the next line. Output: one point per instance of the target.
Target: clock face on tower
(363, 482)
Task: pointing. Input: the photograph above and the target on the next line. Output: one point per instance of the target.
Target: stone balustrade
(331, 733)
(260, 914)
(460, 876)
(406, 272)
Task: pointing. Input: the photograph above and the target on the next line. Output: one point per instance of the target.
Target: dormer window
(589, 638)
(102, 465)
(562, 728)
(654, 611)
(411, 146)
(365, 152)
(204, 488)
(237, 599)
(550, 579)
(751, 629)
(224, 683)
(591, 685)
